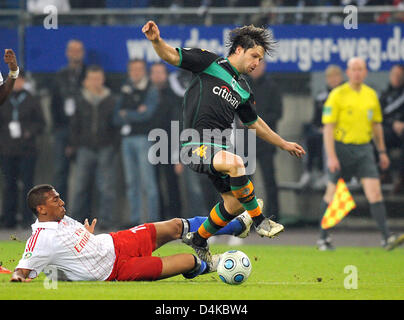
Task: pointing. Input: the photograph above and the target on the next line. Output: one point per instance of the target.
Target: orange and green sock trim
(243, 189)
(218, 218)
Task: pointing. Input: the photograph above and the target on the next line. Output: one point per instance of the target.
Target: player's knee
(238, 162)
(176, 225)
(237, 166)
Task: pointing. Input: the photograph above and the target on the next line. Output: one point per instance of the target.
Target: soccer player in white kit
(7, 86)
(62, 242)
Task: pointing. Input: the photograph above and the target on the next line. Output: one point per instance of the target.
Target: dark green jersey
(216, 93)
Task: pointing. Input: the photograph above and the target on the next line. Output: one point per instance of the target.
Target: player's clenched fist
(151, 31)
(10, 59)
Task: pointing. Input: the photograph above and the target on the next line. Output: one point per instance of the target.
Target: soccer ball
(234, 267)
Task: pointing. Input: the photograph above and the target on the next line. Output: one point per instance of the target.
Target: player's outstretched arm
(7, 87)
(162, 48)
(264, 132)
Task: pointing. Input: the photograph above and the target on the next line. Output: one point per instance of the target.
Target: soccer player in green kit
(216, 93)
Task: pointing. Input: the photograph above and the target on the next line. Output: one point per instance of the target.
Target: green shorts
(356, 161)
(199, 158)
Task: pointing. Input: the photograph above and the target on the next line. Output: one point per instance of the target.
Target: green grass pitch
(279, 272)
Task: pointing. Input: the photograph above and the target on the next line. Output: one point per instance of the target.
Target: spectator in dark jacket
(169, 105)
(136, 113)
(93, 139)
(392, 102)
(66, 86)
(21, 121)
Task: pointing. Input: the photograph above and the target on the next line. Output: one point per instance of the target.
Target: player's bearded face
(251, 58)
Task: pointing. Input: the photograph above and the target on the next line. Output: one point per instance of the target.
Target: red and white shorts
(133, 251)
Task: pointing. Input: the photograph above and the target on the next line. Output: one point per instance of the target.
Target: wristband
(14, 74)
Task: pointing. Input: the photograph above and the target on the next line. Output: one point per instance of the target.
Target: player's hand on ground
(17, 278)
(90, 228)
(384, 161)
(294, 149)
(333, 164)
(20, 275)
(151, 31)
(10, 59)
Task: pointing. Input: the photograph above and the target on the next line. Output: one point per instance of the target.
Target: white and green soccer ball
(234, 267)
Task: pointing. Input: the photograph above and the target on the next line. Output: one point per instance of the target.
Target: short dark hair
(159, 63)
(136, 60)
(250, 36)
(35, 196)
(94, 68)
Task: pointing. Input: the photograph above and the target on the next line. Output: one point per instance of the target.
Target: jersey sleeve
(330, 108)
(1, 79)
(37, 254)
(195, 60)
(247, 112)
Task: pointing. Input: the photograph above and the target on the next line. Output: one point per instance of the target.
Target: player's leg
(242, 189)
(136, 245)
(324, 243)
(187, 264)
(239, 227)
(234, 227)
(177, 264)
(167, 231)
(173, 229)
(219, 217)
(150, 268)
(176, 228)
(238, 195)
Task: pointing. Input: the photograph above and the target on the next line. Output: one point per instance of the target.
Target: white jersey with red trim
(67, 245)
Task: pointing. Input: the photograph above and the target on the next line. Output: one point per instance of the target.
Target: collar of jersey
(45, 225)
(220, 72)
(234, 69)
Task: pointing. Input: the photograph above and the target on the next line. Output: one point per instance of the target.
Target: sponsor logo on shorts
(201, 151)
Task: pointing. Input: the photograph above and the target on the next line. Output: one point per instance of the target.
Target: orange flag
(340, 206)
